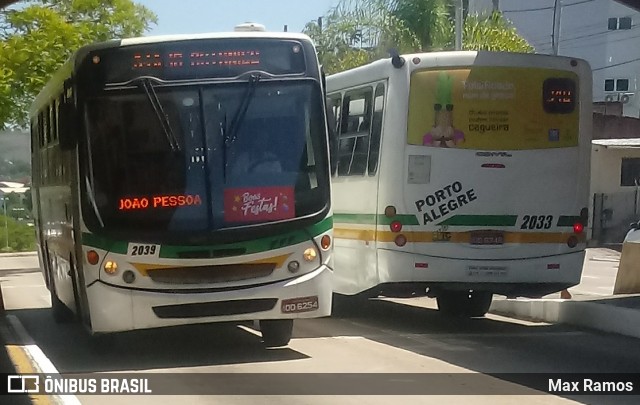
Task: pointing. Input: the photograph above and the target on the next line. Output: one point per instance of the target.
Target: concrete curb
(18, 254)
(587, 314)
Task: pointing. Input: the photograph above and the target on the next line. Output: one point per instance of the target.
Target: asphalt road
(381, 336)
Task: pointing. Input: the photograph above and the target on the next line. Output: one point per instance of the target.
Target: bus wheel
(467, 304)
(61, 314)
(276, 332)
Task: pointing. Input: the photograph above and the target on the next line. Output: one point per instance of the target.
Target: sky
(198, 16)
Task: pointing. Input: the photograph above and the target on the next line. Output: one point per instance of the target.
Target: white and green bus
(185, 179)
(460, 175)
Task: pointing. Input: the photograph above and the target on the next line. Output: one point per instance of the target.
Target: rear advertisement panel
(493, 108)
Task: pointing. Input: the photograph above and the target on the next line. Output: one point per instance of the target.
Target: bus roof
(382, 68)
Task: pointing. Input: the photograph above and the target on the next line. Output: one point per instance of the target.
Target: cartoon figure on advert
(443, 134)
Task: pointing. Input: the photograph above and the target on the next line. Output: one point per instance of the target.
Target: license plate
(302, 304)
(487, 238)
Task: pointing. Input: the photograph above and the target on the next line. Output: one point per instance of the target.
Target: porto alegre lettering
(444, 201)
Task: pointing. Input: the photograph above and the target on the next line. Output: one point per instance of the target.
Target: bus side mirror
(67, 126)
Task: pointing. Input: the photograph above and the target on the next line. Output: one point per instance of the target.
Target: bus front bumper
(116, 309)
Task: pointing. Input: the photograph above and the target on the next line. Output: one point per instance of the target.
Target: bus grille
(220, 308)
(211, 274)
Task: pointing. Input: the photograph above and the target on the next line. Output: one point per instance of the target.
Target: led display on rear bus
(199, 59)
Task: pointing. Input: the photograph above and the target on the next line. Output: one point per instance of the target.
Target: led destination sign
(158, 201)
(198, 59)
(559, 95)
(178, 60)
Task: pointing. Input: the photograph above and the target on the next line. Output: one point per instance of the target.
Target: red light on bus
(325, 242)
(578, 227)
(93, 257)
(553, 266)
(396, 226)
(400, 240)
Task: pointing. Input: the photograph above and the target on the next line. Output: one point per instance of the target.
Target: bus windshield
(204, 158)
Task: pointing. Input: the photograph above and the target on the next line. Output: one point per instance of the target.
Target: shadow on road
(487, 345)
(73, 350)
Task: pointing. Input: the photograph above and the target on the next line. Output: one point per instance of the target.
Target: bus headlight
(110, 267)
(293, 266)
(129, 277)
(310, 254)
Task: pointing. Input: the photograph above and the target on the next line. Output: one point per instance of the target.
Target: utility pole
(6, 220)
(555, 36)
(459, 25)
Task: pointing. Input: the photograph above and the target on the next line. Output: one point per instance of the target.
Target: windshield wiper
(160, 113)
(238, 117)
(92, 199)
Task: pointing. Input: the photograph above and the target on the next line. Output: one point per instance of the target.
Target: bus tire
(60, 312)
(276, 332)
(464, 304)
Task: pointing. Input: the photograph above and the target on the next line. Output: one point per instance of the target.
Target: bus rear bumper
(521, 277)
(115, 309)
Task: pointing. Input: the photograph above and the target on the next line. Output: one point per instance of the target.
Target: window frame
(345, 134)
(630, 164)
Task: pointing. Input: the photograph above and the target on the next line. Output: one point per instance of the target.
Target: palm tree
(358, 31)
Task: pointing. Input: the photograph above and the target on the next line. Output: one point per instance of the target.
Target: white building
(606, 33)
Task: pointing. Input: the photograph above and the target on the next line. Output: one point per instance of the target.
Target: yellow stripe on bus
(453, 237)
(143, 268)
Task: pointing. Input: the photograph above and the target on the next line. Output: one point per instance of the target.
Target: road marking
(585, 276)
(30, 356)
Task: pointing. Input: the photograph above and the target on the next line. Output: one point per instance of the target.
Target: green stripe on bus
(103, 243)
(246, 247)
(567, 220)
(481, 220)
(372, 219)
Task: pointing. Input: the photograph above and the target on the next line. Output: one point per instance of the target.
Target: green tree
(21, 237)
(38, 37)
(492, 33)
(356, 32)
(405, 25)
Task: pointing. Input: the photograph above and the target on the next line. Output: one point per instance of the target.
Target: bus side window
(376, 130)
(353, 145)
(334, 103)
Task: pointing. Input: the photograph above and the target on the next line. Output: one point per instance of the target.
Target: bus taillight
(396, 226)
(390, 211)
(400, 240)
(578, 227)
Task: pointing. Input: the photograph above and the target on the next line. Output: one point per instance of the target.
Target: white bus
(460, 175)
(185, 179)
